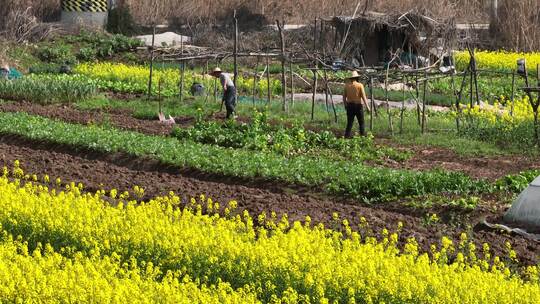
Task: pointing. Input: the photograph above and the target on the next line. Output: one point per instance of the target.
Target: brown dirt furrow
(117, 118)
(486, 167)
(425, 158)
(96, 170)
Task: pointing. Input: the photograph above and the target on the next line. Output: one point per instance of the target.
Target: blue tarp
(14, 74)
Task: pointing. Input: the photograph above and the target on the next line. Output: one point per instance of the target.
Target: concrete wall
(92, 19)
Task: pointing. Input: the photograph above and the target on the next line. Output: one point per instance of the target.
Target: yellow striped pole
(93, 6)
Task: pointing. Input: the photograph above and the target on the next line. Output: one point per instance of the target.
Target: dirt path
(96, 170)
(487, 167)
(118, 118)
(338, 100)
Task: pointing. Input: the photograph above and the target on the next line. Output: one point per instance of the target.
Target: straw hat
(216, 71)
(5, 67)
(354, 75)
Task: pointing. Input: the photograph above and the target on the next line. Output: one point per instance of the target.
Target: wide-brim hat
(216, 71)
(354, 75)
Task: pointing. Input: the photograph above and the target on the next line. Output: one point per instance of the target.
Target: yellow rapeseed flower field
(499, 60)
(134, 79)
(288, 263)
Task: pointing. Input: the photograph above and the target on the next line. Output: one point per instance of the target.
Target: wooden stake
(454, 93)
(372, 97)
(314, 94)
(151, 61)
(424, 107)
(390, 122)
(417, 93)
(538, 74)
(215, 89)
(402, 114)
(206, 90)
(160, 83)
(255, 80)
(285, 106)
(291, 76)
(315, 35)
(182, 73)
(333, 104)
(268, 79)
(471, 87)
(235, 54)
(513, 97)
(326, 88)
(460, 95)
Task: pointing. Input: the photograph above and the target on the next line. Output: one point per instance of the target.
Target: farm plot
(255, 261)
(396, 204)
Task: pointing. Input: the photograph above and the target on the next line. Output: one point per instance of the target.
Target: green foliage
(259, 135)
(58, 53)
(49, 68)
(517, 182)
(86, 46)
(87, 54)
(335, 176)
(520, 134)
(468, 203)
(46, 89)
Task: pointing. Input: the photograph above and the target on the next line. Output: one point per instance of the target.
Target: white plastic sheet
(526, 208)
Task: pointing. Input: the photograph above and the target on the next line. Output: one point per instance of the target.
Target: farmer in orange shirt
(354, 99)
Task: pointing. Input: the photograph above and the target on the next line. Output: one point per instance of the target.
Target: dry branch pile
(519, 20)
(519, 23)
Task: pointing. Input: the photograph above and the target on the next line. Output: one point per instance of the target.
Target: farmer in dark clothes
(229, 91)
(354, 99)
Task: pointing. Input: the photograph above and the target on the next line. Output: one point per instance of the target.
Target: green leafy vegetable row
(344, 177)
(48, 88)
(287, 141)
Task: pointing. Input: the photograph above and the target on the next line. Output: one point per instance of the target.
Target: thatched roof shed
(372, 36)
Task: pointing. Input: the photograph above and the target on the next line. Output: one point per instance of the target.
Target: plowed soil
(97, 170)
(117, 118)
(424, 158)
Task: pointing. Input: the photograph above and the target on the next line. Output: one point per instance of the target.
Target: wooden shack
(372, 37)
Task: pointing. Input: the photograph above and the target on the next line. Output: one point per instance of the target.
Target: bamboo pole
(372, 98)
(235, 55)
(269, 97)
(206, 90)
(326, 96)
(215, 88)
(151, 61)
(285, 106)
(424, 107)
(160, 106)
(333, 104)
(390, 122)
(538, 74)
(291, 76)
(182, 76)
(475, 73)
(471, 101)
(255, 80)
(454, 92)
(417, 93)
(314, 94)
(513, 97)
(404, 81)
